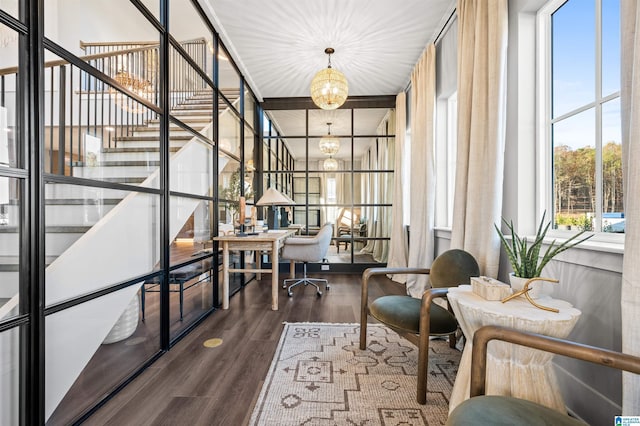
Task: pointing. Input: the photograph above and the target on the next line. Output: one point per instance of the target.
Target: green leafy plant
(524, 256)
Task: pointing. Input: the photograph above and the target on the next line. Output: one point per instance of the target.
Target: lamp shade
(330, 164)
(328, 144)
(272, 197)
(329, 87)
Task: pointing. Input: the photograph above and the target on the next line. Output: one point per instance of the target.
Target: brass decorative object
(525, 292)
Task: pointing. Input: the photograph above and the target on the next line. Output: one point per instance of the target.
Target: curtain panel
(630, 105)
(398, 244)
(482, 77)
(422, 185)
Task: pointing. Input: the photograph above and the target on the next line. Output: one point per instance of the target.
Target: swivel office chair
(307, 249)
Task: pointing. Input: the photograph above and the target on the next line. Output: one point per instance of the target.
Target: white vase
(538, 290)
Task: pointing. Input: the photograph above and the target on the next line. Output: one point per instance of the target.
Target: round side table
(512, 370)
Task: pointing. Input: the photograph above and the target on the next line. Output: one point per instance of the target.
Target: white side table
(512, 370)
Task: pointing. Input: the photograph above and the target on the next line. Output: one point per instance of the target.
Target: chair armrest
(370, 272)
(483, 335)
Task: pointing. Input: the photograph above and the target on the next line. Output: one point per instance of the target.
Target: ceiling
(279, 46)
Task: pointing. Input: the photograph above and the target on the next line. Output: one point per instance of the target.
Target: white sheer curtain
(630, 100)
(482, 66)
(421, 244)
(380, 190)
(398, 244)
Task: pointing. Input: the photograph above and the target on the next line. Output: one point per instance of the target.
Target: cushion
(452, 268)
(507, 411)
(403, 313)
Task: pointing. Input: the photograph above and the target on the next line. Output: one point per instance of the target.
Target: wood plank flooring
(195, 385)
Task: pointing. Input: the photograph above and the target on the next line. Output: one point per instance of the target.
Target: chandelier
(132, 83)
(329, 145)
(330, 164)
(329, 88)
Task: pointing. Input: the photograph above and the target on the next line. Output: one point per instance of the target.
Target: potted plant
(524, 255)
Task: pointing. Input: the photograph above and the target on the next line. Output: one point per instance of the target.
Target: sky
(574, 70)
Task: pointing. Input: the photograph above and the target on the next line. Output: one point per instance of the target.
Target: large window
(581, 114)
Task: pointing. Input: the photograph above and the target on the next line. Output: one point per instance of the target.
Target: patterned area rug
(319, 376)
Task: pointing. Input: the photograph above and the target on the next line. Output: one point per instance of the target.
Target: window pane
(8, 90)
(9, 376)
(191, 95)
(9, 247)
(249, 108)
(190, 31)
(574, 170)
(107, 135)
(229, 184)
(229, 132)
(573, 56)
(191, 169)
(113, 234)
(10, 7)
(191, 227)
(612, 196)
(610, 46)
(229, 79)
(94, 346)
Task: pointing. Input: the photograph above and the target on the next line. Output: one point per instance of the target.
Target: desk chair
(416, 319)
(307, 249)
(505, 410)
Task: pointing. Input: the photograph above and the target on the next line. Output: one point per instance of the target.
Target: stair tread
(151, 138)
(139, 149)
(80, 201)
(132, 163)
(57, 229)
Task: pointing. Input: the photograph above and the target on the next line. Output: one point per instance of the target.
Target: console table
(267, 241)
(512, 370)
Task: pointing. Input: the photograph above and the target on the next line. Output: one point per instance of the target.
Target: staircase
(80, 224)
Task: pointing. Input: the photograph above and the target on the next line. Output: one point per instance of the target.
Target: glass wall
(132, 158)
(339, 165)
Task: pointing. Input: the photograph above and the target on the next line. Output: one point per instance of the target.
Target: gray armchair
(307, 249)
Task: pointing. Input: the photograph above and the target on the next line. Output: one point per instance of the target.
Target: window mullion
(598, 159)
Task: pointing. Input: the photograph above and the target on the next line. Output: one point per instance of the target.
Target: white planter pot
(538, 290)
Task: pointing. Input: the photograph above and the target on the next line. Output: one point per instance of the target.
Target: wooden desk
(266, 241)
(511, 370)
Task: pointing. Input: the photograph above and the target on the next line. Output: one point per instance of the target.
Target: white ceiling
(279, 46)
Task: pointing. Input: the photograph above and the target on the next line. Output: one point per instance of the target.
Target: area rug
(319, 376)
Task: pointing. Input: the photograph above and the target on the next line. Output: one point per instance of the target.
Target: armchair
(417, 319)
(506, 410)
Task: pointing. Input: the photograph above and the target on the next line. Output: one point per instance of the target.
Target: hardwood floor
(196, 385)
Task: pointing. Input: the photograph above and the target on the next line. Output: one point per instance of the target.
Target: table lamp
(272, 197)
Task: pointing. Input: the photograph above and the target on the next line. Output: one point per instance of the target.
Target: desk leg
(258, 255)
(274, 276)
(225, 275)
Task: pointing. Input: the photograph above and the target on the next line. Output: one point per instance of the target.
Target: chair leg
(306, 281)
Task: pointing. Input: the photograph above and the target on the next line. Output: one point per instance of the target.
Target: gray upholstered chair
(307, 249)
(417, 319)
(497, 410)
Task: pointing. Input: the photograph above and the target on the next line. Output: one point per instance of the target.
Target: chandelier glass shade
(330, 164)
(140, 87)
(329, 145)
(329, 87)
